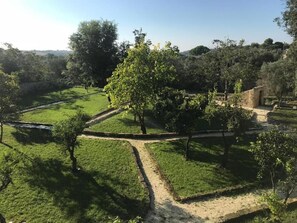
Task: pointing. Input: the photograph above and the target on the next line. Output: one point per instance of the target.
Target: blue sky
(47, 24)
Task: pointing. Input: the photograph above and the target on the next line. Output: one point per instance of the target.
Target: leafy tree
(135, 83)
(199, 50)
(9, 94)
(66, 133)
(268, 42)
(230, 118)
(289, 18)
(274, 152)
(94, 52)
(279, 76)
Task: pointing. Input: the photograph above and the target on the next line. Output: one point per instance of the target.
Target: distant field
(124, 123)
(91, 105)
(50, 97)
(45, 190)
(284, 117)
(201, 173)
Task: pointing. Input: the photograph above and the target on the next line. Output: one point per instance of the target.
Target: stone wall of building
(254, 97)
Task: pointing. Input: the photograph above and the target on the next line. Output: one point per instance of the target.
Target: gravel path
(165, 209)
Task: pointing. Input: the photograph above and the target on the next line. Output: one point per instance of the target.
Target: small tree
(180, 113)
(8, 97)
(230, 118)
(66, 133)
(274, 151)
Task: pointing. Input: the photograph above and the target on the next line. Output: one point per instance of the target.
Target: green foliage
(8, 98)
(94, 51)
(66, 133)
(30, 67)
(279, 75)
(199, 50)
(230, 118)
(274, 152)
(289, 18)
(140, 77)
(275, 205)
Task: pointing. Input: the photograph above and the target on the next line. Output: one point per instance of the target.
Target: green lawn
(284, 117)
(124, 123)
(50, 97)
(202, 173)
(91, 105)
(45, 190)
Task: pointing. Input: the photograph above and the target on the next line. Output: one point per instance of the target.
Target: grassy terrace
(45, 190)
(91, 104)
(50, 97)
(284, 117)
(201, 173)
(124, 123)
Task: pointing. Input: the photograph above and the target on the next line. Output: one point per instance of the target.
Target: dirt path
(165, 209)
(103, 117)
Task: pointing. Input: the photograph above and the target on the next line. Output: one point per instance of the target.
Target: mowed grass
(285, 117)
(45, 190)
(33, 100)
(201, 173)
(124, 123)
(91, 105)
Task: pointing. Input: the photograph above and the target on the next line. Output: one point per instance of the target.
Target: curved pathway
(165, 209)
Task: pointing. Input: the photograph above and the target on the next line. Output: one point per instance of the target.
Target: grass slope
(201, 173)
(45, 190)
(124, 123)
(284, 117)
(90, 104)
(54, 96)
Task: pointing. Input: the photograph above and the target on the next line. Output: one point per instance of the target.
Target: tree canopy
(136, 81)
(94, 52)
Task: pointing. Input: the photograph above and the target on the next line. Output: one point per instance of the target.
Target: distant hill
(54, 52)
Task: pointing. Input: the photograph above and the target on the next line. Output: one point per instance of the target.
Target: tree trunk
(142, 124)
(226, 151)
(1, 132)
(73, 159)
(2, 219)
(226, 91)
(188, 146)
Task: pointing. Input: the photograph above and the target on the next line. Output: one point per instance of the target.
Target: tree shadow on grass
(32, 136)
(80, 194)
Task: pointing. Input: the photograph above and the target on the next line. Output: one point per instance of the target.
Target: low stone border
(128, 135)
(96, 118)
(152, 135)
(141, 174)
(30, 125)
(249, 213)
(200, 196)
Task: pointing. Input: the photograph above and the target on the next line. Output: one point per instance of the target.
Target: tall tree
(8, 97)
(289, 18)
(136, 82)
(94, 52)
(66, 133)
